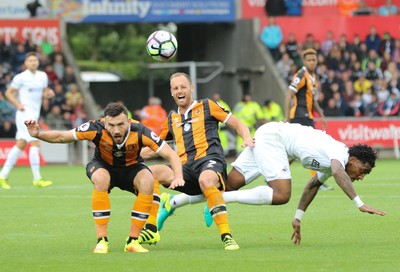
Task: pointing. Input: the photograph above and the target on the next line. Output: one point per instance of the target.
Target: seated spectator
(362, 84)
(79, 116)
(342, 105)
(390, 107)
(373, 40)
(30, 46)
(372, 57)
(69, 76)
(283, 65)
(387, 44)
(387, 9)
(391, 71)
(331, 109)
(58, 65)
(271, 36)
(343, 44)
(372, 72)
(59, 96)
(347, 7)
(363, 9)
(53, 78)
(7, 111)
(382, 91)
(386, 60)
(293, 7)
(371, 109)
(354, 47)
(356, 71)
(46, 46)
(272, 111)
(309, 42)
(54, 118)
(292, 48)
(327, 44)
(73, 96)
(7, 129)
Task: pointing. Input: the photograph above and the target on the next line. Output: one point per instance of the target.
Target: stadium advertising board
(255, 8)
(5, 147)
(100, 11)
(39, 29)
(15, 9)
(375, 132)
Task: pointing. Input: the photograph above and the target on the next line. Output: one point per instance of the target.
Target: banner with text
(39, 29)
(104, 11)
(375, 132)
(5, 147)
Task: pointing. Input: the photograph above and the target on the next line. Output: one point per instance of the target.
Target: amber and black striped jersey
(305, 87)
(196, 132)
(121, 155)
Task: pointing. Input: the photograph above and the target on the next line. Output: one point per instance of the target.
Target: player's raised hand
(248, 142)
(365, 208)
(296, 236)
(177, 182)
(33, 127)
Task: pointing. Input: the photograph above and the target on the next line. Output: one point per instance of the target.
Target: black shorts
(303, 121)
(192, 171)
(121, 177)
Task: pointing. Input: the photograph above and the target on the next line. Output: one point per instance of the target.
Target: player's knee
(280, 198)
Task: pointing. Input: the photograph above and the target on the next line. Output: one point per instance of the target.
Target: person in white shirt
(276, 144)
(26, 92)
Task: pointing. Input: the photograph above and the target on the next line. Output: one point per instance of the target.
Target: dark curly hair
(114, 109)
(364, 153)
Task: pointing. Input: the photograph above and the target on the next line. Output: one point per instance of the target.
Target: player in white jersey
(276, 144)
(26, 91)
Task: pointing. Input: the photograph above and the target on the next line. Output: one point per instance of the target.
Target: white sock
(184, 199)
(34, 160)
(261, 195)
(10, 162)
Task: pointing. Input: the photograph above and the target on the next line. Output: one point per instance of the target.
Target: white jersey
(30, 88)
(278, 142)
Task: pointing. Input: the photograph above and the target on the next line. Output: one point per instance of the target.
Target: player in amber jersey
(117, 163)
(194, 128)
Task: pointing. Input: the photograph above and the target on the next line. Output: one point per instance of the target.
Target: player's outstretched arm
(310, 191)
(52, 136)
(242, 130)
(344, 182)
(169, 154)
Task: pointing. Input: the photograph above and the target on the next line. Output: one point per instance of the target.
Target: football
(161, 45)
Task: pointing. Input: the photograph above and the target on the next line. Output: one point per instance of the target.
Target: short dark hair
(114, 109)
(364, 153)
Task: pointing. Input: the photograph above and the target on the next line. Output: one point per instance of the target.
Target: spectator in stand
(283, 65)
(388, 9)
(275, 7)
(342, 104)
(19, 58)
(356, 71)
(347, 7)
(309, 42)
(30, 46)
(153, 115)
(362, 84)
(53, 78)
(331, 109)
(372, 57)
(44, 61)
(373, 40)
(73, 96)
(79, 116)
(363, 53)
(387, 44)
(391, 71)
(354, 47)
(7, 111)
(293, 7)
(47, 47)
(69, 76)
(390, 107)
(54, 118)
(394, 85)
(59, 65)
(272, 111)
(363, 9)
(372, 72)
(334, 57)
(327, 44)
(271, 36)
(386, 60)
(396, 52)
(371, 108)
(7, 129)
(382, 91)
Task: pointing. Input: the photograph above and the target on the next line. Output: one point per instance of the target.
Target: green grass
(52, 229)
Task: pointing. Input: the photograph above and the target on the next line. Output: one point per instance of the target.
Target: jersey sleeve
(151, 139)
(16, 82)
(87, 131)
(298, 81)
(218, 112)
(165, 133)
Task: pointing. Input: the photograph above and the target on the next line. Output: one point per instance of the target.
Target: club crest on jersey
(84, 127)
(118, 154)
(131, 147)
(197, 112)
(314, 164)
(155, 137)
(186, 127)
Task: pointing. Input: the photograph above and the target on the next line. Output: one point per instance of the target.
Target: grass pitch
(51, 229)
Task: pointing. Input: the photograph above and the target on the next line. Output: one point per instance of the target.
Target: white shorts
(268, 158)
(22, 131)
